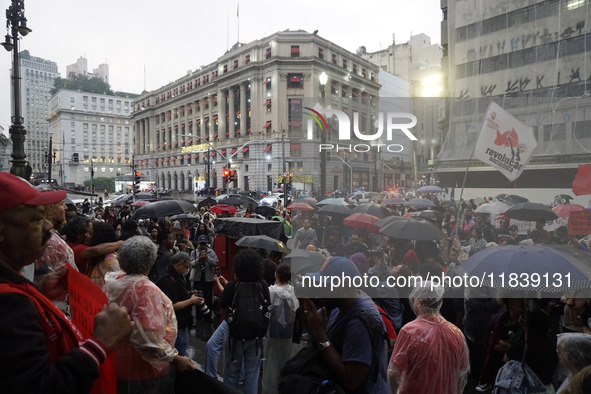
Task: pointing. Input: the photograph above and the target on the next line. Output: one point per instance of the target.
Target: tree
(82, 83)
(102, 183)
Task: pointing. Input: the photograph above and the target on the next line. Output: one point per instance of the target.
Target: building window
(334, 58)
(295, 51)
(246, 59)
(268, 53)
(295, 150)
(295, 80)
(235, 65)
(225, 68)
(267, 83)
(344, 63)
(321, 53)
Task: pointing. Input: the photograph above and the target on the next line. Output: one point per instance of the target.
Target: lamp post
(323, 79)
(350, 171)
(16, 21)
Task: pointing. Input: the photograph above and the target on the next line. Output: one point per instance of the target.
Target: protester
(250, 290)
(143, 362)
(304, 236)
(358, 357)
(98, 266)
(278, 347)
(178, 290)
(164, 256)
(42, 351)
(574, 354)
(203, 262)
(539, 235)
(355, 246)
(431, 354)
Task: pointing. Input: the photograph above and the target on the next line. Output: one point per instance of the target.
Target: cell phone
(218, 272)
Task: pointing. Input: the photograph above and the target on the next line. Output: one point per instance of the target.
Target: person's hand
(196, 300)
(183, 364)
(112, 325)
(317, 320)
(222, 280)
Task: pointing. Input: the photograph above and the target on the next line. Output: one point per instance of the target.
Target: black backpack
(307, 372)
(248, 316)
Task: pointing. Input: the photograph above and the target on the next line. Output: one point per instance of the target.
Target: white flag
(504, 142)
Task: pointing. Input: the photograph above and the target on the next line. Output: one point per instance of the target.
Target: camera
(218, 272)
(202, 306)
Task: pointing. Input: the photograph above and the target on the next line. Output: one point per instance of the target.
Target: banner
(582, 181)
(579, 223)
(504, 142)
(86, 300)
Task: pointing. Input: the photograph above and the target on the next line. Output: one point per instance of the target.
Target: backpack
(248, 316)
(515, 377)
(307, 372)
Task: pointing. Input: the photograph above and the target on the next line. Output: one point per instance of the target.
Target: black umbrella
(531, 211)
(164, 208)
(393, 201)
(184, 216)
(230, 201)
(427, 214)
(208, 201)
(303, 261)
(511, 199)
(265, 210)
(387, 220)
(262, 242)
(413, 229)
(335, 210)
(373, 209)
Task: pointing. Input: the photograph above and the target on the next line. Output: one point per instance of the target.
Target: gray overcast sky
(173, 36)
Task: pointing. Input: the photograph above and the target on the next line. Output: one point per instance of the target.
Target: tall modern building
(248, 110)
(91, 132)
(37, 76)
(81, 68)
(533, 58)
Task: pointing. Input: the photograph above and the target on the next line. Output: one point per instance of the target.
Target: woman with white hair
(143, 361)
(431, 354)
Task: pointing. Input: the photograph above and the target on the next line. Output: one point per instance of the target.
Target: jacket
(197, 269)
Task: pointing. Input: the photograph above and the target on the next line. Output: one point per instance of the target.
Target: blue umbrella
(420, 203)
(332, 201)
(429, 189)
(523, 270)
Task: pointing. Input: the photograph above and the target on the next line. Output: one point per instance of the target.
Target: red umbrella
(300, 206)
(139, 203)
(219, 208)
(565, 210)
(362, 221)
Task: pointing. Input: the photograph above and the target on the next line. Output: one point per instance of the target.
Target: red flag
(582, 181)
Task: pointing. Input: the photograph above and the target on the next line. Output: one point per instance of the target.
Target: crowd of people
(160, 277)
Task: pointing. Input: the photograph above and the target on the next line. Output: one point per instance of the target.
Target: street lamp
(15, 19)
(350, 171)
(323, 79)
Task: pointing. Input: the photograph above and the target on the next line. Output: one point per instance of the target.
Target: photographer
(176, 287)
(203, 262)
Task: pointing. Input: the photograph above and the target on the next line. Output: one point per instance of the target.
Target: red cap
(17, 191)
(411, 257)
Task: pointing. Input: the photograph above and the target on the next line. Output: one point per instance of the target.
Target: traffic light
(136, 182)
(233, 175)
(226, 175)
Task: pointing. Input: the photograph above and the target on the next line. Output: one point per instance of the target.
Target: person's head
(154, 233)
(360, 261)
(479, 219)
(504, 223)
(275, 256)
(574, 351)
(154, 221)
(202, 242)
(137, 255)
(469, 214)
(515, 307)
(426, 299)
(283, 273)
(118, 228)
(24, 230)
(79, 230)
(562, 232)
(181, 262)
(454, 256)
(355, 238)
(165, 239)
(102, 233)
(475, 233)
(306, 223)
(248, 266)
(540, 224)
(411, 260)
(55, 213)
(201, 229)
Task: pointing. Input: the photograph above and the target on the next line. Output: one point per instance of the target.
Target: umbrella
(332, 201)
(265, 210)
(373, 209)
(362, 221)
(548, 269)
(420, 203)
(219, 208)
(494, 208)
(300, 206)
(429, 189)
(230, 201)
(511, 199)
(413, 229)
(531, 211)
(385, 221)
(302, 261)
(160, 209)
(308, 200)
(335, 210)
(565, 210)
(428, 214)
(208, 201)
(184, 216)
(262, 242)
(393, 201)
(139, 203)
